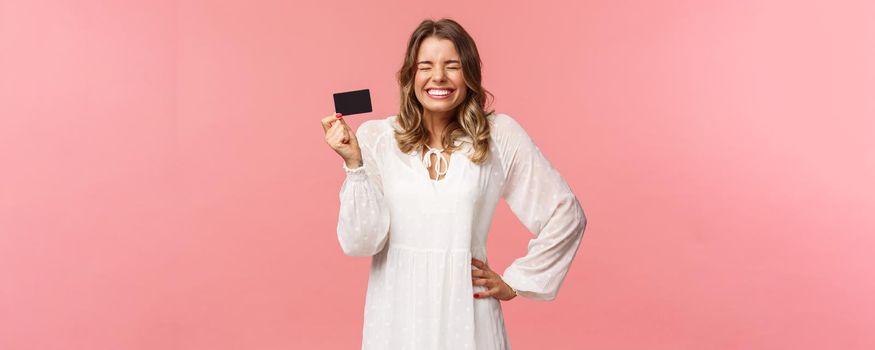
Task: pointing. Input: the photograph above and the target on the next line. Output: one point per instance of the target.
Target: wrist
(353, 163)
(513, 291)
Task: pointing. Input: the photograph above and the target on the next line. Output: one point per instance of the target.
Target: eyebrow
(447, 62)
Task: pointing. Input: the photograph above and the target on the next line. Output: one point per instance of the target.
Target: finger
(483, 282)
(335, 135)
(328, 121)
(334, 131)
(480, 264)
(479, 274)
(343, 121)
(332, 123)
(488, 293)
(347, 127)
(344, 131)
(337, 123)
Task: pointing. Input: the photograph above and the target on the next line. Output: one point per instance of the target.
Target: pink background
(165, 183)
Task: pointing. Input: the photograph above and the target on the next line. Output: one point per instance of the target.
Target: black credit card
(352, 102)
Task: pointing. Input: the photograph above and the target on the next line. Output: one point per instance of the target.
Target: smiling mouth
(439, 93)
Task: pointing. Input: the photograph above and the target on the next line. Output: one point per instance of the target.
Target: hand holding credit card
(339, 136)
(352, 102)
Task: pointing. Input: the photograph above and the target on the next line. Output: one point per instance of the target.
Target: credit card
(352, 102)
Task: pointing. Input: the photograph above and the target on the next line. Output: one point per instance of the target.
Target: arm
(363, 222)
(545, 204)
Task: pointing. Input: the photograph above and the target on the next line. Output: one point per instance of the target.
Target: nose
(438, 74)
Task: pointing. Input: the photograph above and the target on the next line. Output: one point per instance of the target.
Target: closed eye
(427, 68)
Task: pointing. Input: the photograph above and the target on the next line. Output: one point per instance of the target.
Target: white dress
(422, 234)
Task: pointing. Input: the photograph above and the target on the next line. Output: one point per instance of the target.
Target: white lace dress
(422, 233)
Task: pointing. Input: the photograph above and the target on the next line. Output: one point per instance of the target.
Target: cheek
(458, 79)
(420, 79)
(417, 85)
(459, 82)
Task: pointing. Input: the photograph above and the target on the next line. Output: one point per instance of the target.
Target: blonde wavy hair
(470, 116)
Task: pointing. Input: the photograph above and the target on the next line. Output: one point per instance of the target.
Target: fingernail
(476, 295)
(338, 115)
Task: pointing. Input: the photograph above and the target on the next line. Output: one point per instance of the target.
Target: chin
(439, 108)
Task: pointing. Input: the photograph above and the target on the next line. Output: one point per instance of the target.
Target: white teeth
(438, 92)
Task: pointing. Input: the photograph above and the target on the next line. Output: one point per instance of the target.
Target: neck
(435, 122)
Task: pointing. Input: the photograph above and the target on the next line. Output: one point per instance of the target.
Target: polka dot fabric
(421, 234)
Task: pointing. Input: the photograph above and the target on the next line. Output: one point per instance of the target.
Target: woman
(420, 191)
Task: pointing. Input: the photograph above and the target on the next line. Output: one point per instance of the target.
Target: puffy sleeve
(542, 200)
(363, 222)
